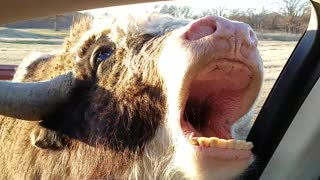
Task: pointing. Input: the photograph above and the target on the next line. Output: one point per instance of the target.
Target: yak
(146, 97)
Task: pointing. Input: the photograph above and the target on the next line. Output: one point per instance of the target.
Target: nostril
(201, 28)
(252, 37)
(251, 34)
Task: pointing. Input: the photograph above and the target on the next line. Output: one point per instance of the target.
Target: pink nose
(237, 33)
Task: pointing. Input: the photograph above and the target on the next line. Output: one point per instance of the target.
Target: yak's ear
(79, 33)
(81, 25)
(48, 140)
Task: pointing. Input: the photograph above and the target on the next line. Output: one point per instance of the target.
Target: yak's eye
(102, 54)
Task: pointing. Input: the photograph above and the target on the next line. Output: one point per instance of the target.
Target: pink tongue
(198, 32)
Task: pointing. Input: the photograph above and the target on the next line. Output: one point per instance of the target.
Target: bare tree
(218, 11)
(293, 9)
(176, 11)
(239, 15)
(292, 18)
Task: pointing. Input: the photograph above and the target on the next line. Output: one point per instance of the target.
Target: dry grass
(32, 33)
(278, 36)
(274, 54)
(15, 44)
(13, 53)
(48, 32)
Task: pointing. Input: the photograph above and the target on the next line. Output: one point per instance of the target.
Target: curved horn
(32, 101)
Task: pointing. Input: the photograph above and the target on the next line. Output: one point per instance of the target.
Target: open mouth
(218, 96)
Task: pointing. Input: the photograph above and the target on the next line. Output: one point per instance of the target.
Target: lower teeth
(221, 143)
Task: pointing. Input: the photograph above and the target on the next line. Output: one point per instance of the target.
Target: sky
(196, 5)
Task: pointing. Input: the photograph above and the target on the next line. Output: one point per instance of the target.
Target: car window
(278, 25)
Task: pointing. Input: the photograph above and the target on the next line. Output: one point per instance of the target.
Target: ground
(16, 44)
(274, 54)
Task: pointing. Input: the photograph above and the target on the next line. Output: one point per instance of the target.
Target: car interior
(286, 132)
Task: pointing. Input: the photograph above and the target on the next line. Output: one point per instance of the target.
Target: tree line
(292, 16)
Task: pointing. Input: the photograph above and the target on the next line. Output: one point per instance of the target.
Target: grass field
(274, 54)
(17, 44)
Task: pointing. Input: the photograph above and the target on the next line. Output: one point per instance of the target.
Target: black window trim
(293, 85)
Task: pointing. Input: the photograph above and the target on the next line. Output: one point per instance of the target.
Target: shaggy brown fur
(114, 112)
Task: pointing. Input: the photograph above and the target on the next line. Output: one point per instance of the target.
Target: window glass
(278, 23)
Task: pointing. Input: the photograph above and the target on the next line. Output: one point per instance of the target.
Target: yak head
(173, 93)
